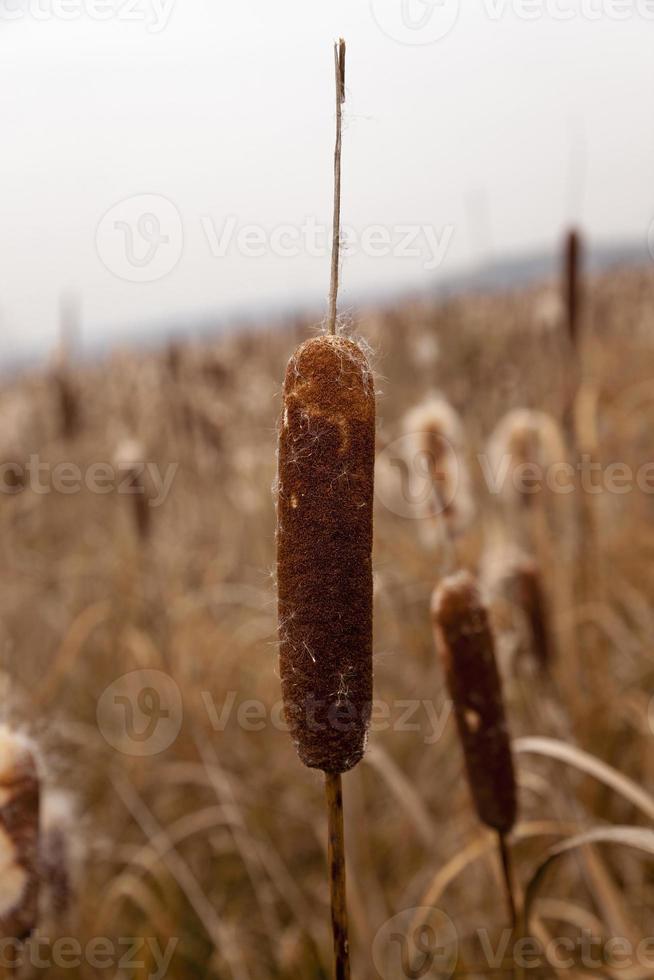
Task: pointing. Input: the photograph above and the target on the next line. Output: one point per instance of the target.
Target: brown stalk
(339, 66)
(336, 863)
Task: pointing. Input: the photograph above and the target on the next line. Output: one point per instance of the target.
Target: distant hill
(506, 272)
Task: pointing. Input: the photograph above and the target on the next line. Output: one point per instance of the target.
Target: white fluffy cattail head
(523, 449)
(19, 835)
(434, 453)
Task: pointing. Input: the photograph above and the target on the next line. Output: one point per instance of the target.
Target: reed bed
(220, 838)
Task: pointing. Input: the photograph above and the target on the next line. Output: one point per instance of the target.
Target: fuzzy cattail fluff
(523, 452)
(324, 541)
(62, 852)
(434, 448)
(464, 641)
(19, 836)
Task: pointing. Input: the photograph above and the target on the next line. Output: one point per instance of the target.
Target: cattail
(68, 399)
(324, 508)
(465, 642)
(572, 283)
(173, 359)
(129, 459)
(527, 590)
(19, 836)
(435, 450)
(522, 451)
(324, 556)
(516, 578)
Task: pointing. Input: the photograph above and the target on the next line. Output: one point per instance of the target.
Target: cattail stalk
(324, 557)
(336, 863)
(339, 67)
(465, 643)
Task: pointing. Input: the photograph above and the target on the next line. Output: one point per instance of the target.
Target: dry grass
(220, 838)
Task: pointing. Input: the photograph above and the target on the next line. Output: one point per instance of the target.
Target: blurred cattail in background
(129, 458)
(67, 398)
(19, 836)
(174, 359)
(513, 577)
(434, 446)
(572, 284)
(64, 386)
(465, 643)
(524, 451)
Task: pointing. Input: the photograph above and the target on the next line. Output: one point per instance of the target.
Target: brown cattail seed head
(525, 588)
(129, 457)
(19, 836)
(572, 283)
(324, 544)
(465, 643)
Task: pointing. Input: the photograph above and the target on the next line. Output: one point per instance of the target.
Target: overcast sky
(166, 159)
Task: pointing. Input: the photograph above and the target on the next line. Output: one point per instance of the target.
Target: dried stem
(339, 65)
(507, 872)
(336, 861)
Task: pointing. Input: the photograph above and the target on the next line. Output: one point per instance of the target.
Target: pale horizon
(486, 142)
